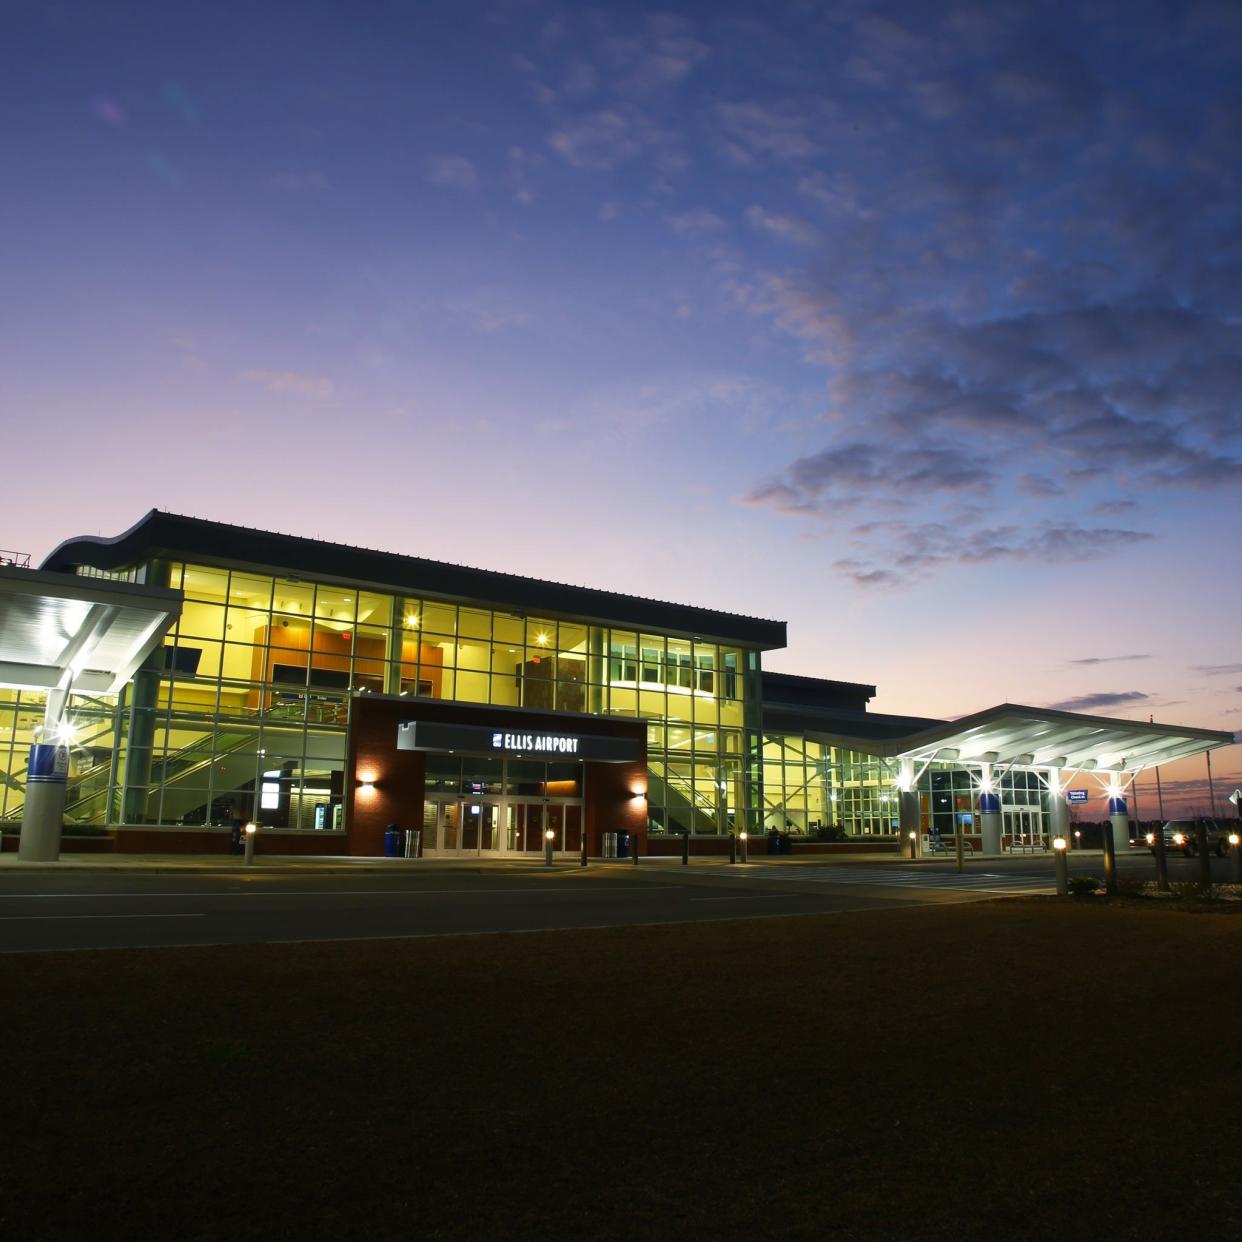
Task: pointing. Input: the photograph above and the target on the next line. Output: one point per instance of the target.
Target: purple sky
(916, 325)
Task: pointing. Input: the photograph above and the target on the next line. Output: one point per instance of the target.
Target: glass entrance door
(482, 827)
(480, 824)
(1023, 826)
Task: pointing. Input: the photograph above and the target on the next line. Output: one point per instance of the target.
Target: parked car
(1183, 835)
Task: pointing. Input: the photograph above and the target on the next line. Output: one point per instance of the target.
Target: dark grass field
(1017, 1069)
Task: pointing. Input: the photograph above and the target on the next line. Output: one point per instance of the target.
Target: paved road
(117, 908)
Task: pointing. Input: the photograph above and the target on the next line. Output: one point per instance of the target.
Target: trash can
(610, 845)
(623, 844)
(413, 843)
(392, 841)
(236, 833)
(774, 842)
(786, 843)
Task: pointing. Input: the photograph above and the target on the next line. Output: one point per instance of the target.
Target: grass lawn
(1015, 1069)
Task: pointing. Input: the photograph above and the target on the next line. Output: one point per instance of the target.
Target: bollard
(252, 831)
(745, 848)
(1059, 844)
(582, 862)
(732, 848)
(1162, 858)
(634, 848)
(685, 848)
(548, 838)
(1110, 861)
(1236, 854)
(1205, 859)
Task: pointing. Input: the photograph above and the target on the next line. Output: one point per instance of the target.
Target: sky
(915, 325)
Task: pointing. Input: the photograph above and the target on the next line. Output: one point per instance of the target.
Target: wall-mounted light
(367, 787)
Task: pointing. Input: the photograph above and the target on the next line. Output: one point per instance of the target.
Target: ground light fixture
(1059, 845)
(252, 831)
(743, 836)
(1234, 841)
(914, 836)
(548, 837)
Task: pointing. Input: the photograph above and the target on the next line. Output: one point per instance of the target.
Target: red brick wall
(398, 776)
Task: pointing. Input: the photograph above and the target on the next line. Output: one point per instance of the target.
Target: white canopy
(1011, 735)
(93, 632)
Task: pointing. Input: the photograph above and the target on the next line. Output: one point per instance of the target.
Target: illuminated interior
(245, 710)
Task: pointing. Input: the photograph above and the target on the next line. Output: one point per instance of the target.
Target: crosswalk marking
(902, 877)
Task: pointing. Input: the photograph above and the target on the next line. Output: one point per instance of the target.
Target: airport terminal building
(189, 675)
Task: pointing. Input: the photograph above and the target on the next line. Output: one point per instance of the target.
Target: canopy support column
(1058, 808)
(989, 811)
(1119, 818)
(909, 813)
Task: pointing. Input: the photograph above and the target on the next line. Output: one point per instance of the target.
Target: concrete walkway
(328, 863)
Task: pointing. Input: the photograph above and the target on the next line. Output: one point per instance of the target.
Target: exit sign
(1076, 795)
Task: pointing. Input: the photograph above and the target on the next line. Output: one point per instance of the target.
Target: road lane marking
(759, 897)
(45, 918)
(338, 892)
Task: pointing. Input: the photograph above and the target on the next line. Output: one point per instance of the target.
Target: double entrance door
(1024, 827)
(500, 827)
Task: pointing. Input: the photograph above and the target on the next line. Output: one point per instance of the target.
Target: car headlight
(1179, 838)
(1151, 838)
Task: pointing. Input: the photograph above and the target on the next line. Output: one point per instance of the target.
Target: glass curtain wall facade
(810, 785)
(244, 712)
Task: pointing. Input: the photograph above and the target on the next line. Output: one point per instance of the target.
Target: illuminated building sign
(543, 743)
(520, 743)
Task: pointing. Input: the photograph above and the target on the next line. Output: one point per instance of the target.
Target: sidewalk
(342, 863)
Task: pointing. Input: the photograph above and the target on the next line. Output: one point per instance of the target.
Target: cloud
(757, 131)
(824, 480)
(1110, 659)
(696, 223)
(492, 310)
(1105, 698)
(1007, 257)
(784, 228)
(291, 383)
(598, 142)
(895, 552)
(452, 172)
(1218, 670)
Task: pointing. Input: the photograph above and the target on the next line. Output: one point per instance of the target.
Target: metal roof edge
(161, 533)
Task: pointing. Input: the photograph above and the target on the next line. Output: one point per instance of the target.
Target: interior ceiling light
(541, 639)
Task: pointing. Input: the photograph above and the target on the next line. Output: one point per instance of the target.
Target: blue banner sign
(49, 765)
(1077, 795)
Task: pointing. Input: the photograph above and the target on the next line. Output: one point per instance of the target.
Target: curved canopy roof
(1039, 737)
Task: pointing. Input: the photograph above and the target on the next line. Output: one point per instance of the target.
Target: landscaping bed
(981, 1071)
